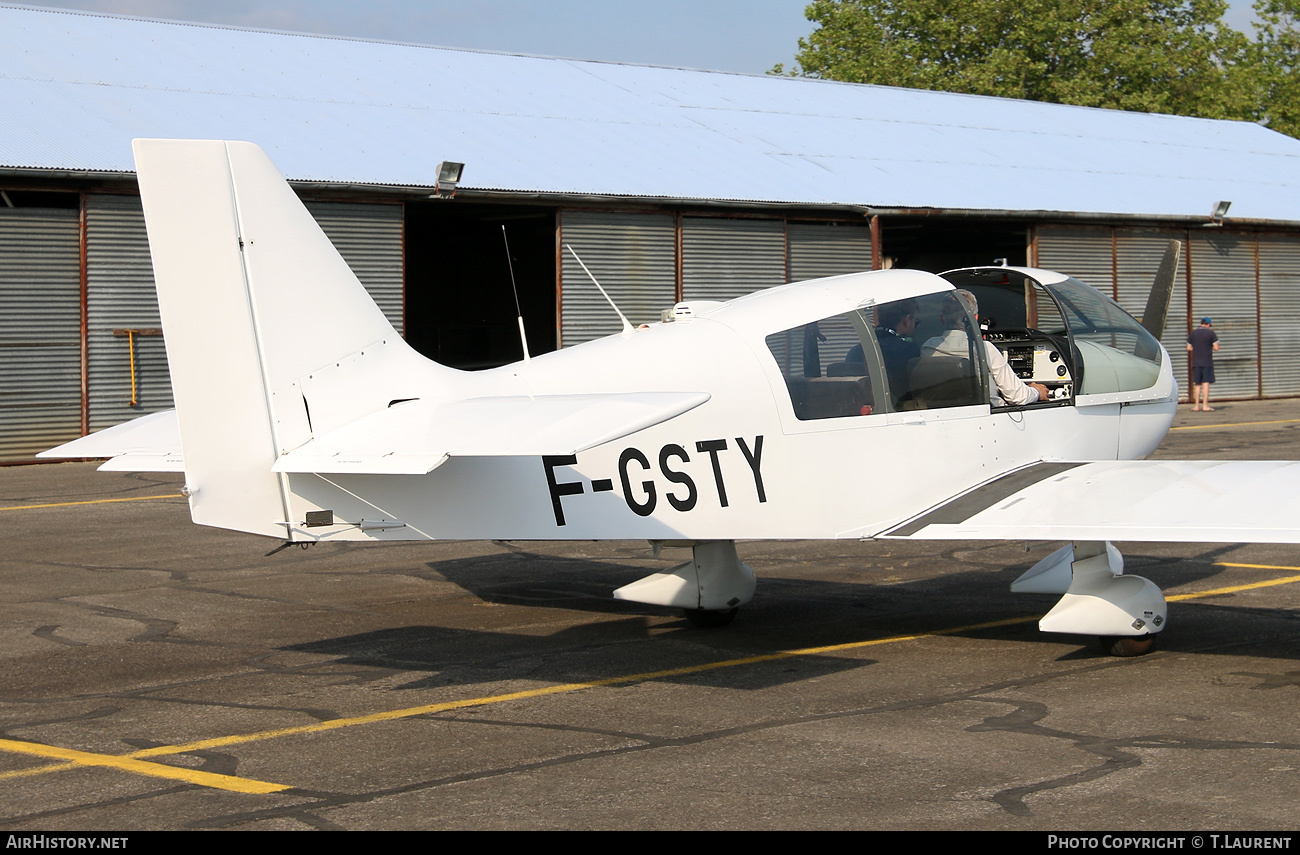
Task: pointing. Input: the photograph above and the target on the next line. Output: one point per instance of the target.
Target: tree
(1163, 56)
(1277, 55)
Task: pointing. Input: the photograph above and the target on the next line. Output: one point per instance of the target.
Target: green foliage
(1163, 56)
(1277, 63)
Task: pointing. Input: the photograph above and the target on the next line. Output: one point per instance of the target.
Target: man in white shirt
(1005, 387)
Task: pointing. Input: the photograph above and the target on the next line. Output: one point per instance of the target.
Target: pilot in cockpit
(1005, 387)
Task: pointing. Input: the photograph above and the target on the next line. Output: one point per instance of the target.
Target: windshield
(1116, 353)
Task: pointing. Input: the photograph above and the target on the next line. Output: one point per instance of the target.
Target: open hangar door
(460, 307)
(937, 243)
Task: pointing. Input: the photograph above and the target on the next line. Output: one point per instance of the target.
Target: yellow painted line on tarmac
(1235, 424)
(411, 712)
(140, 767)
(92, 502)
(1233, 589)
(224, 781)
(126, 761)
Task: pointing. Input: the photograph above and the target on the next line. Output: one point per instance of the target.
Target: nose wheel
(1097, 597)
(709, 619)
(1127, 645)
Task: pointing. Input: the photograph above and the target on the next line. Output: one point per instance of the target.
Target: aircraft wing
(415, 437)
(1135, 500)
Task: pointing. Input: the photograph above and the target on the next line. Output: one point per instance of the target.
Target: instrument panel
(1036, 359)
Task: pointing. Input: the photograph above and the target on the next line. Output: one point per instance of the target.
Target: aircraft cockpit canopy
(1101, 346)
(927, 351)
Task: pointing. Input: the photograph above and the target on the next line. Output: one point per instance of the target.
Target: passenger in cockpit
(897, 321)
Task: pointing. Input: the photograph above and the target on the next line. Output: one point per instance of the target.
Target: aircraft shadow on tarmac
(786, 614)
(450, 657)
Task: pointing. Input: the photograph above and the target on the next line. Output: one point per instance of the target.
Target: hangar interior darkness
(460, 310)
(936, 243)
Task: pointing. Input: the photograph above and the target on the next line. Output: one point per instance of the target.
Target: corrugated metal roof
(75, 88)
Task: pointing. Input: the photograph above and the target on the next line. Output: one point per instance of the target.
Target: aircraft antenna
(519, 313)
(627, 328)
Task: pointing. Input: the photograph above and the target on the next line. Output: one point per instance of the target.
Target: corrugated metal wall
(1223, 287)
(369, 237)
(40, 330)
(1279, 313)
(721, 258)
(827, 249)
(120, 296)
(1248, 283)
(633, 256)
(40, 312)
(727, 258)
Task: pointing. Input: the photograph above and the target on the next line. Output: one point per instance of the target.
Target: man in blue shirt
(1202, 344)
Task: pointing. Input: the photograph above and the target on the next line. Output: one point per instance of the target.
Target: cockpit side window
(932, 354)
(827, 369)
(914, 354)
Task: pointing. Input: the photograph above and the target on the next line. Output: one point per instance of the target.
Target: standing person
(1202, 344)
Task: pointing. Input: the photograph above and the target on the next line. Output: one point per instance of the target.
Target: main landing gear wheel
(1127, 645)
(708, 619)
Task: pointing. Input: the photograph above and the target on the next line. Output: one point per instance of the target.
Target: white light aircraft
(796, 412)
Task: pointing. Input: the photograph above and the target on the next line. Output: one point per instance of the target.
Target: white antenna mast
(523, 338)
(627, 328)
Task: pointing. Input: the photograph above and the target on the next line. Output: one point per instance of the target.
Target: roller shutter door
(369, 237)
(828, 249)
(1137, 258)
(1223, 288)
(1085, 253)
(121, 296)
(727, 258)
(1122, 264)
(633, 256)
(40, 330)
(1279, 313)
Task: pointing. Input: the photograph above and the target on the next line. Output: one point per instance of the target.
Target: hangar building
(670, 183)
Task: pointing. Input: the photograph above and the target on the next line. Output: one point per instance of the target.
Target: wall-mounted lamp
(1220, 211)
(448, 177)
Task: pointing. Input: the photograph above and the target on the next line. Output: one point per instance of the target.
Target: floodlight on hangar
(449, 173)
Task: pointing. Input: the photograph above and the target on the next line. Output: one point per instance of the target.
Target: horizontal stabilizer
(150, 443)
(415, 437)
(1135, 500)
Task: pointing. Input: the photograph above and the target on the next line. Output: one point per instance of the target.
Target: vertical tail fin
(254, 298)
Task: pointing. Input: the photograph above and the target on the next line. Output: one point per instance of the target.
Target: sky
(748, 36)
